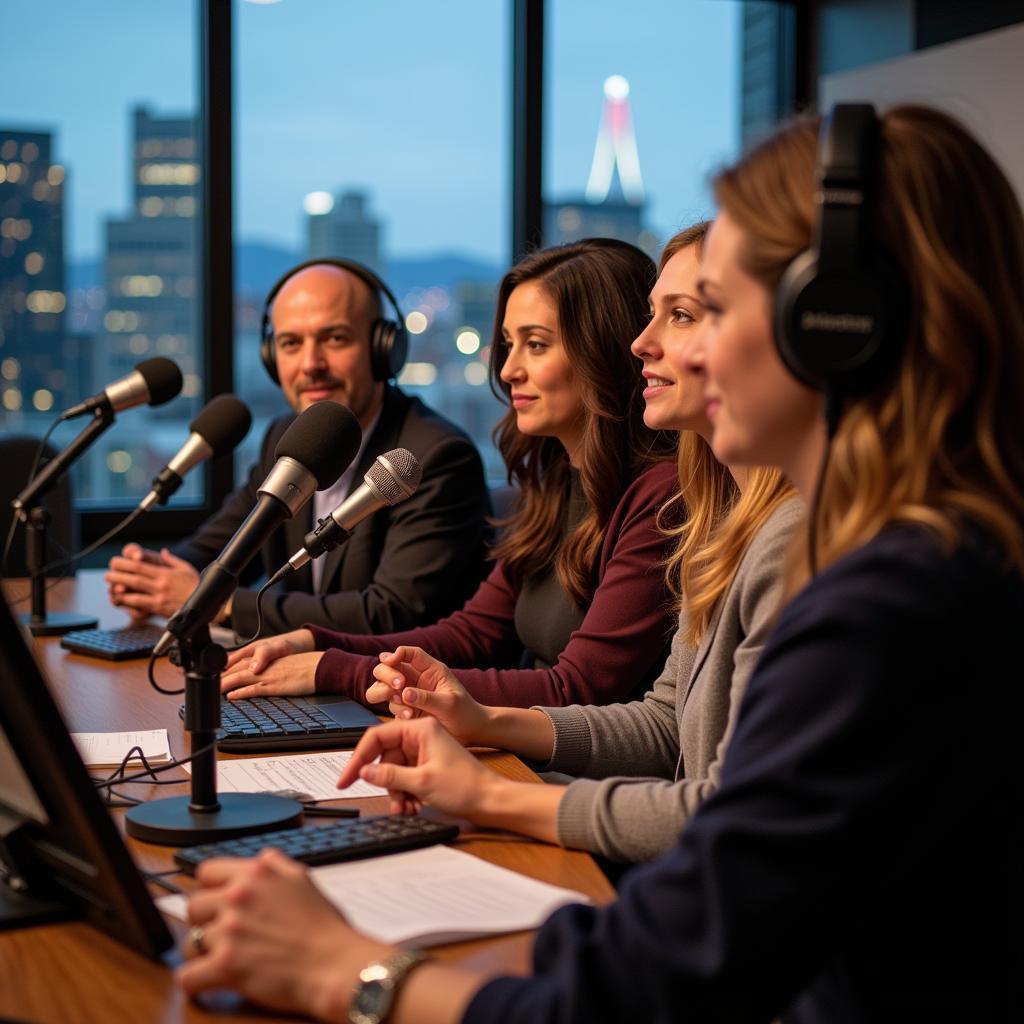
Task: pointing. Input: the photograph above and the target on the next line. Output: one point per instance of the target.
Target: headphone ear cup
(837, 333)
(268, 357)
(389, 344)
(789, 338)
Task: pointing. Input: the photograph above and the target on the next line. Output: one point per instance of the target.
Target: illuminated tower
(616, 148)
(604, 210)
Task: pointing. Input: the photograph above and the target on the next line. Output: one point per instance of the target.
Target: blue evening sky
(405, 99)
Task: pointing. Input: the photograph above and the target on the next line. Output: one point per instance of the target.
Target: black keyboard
(348, 840)
(291, 723)
(113, 644)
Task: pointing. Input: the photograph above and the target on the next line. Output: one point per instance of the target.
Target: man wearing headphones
(324, 337)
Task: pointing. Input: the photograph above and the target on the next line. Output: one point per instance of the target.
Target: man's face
(321, 319)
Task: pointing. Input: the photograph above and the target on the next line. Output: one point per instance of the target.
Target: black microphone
(217, 430)
(313, 452)
(392, 478)
(152, 382)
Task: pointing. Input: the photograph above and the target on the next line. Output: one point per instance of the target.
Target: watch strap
(388, 974)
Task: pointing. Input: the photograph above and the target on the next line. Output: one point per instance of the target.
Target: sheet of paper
(109, 748)
(315, 774)
(430, 896)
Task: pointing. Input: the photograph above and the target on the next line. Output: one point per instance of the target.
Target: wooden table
(73, 973)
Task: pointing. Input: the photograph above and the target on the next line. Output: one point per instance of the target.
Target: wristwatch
(374, 994)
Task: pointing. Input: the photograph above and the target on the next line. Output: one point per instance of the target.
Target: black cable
(151, 676)
(280, 574)
(150, 770)
(88, 550)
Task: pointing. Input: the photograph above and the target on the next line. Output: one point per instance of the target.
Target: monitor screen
(60, 854)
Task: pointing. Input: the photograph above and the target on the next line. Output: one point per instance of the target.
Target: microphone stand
(28, 507)
(205, 817)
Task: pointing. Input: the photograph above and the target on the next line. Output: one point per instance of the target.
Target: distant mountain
(443, 270)
(259, 264)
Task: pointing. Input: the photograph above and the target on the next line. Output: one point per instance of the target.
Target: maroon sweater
(618, 648)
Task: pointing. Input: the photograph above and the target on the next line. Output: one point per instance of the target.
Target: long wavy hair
(714, 522)
(943, 440)
(599, 288)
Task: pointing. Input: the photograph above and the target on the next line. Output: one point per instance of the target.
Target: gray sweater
(681, 728)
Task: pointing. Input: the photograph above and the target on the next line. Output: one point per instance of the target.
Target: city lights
(475, 374)
(45, 302)
(119, 461)
(42, 399)
(416, 322)
(467, 340)
(418, 374)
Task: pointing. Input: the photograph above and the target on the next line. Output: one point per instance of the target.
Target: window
(642, 103)
(99, 176)
(377, 132)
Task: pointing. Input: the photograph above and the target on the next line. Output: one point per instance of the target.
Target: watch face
(372, 999)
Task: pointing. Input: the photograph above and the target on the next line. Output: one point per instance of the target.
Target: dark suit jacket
(862, 860)
(406, 565)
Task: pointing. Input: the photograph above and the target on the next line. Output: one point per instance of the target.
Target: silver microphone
(393, 477)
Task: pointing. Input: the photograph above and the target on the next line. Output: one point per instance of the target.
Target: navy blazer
(404, 566)
(862, 860)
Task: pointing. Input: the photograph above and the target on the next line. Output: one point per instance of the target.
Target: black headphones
(389, 340)
(840, 308)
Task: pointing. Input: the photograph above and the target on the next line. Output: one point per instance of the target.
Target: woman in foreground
(860, 861)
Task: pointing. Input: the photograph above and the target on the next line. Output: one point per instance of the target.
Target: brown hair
(944, 440)
(720, 522)
(599, 288)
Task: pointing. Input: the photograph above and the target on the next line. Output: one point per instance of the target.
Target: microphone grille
(396, 474)
(325, 439)
(163, 379)
(222, 422)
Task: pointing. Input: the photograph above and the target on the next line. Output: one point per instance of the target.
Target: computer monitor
(60, 854)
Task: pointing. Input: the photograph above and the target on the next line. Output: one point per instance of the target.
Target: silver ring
(196, 935)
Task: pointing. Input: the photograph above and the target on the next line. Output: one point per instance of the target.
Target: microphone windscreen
(325, 439)
(162, 377)
(396, 474)
(222, 423)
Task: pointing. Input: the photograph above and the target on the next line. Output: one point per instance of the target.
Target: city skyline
(440, 111)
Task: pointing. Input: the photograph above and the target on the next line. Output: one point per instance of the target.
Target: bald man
(404, 566)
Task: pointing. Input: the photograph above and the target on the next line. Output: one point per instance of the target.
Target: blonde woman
(860, 861)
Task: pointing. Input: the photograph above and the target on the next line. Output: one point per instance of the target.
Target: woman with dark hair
(641, 768)
(575, 610)
(861, 859)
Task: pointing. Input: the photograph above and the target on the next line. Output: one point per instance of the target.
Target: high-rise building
(343, 227)
(33, 375)
(151, 281)
(614, 203)
(767, 89)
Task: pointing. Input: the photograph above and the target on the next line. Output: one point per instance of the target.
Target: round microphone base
(172, 823)
(57, 623)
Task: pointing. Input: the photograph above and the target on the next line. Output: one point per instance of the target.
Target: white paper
(109, 748)
(315, 774)
(430, 896)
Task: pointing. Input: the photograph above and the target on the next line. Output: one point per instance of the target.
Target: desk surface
(72, 973)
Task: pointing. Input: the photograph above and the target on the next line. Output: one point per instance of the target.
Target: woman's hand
(259, 654)
(289, 676)
(414, 683)
(266, 931)
(421, 764)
